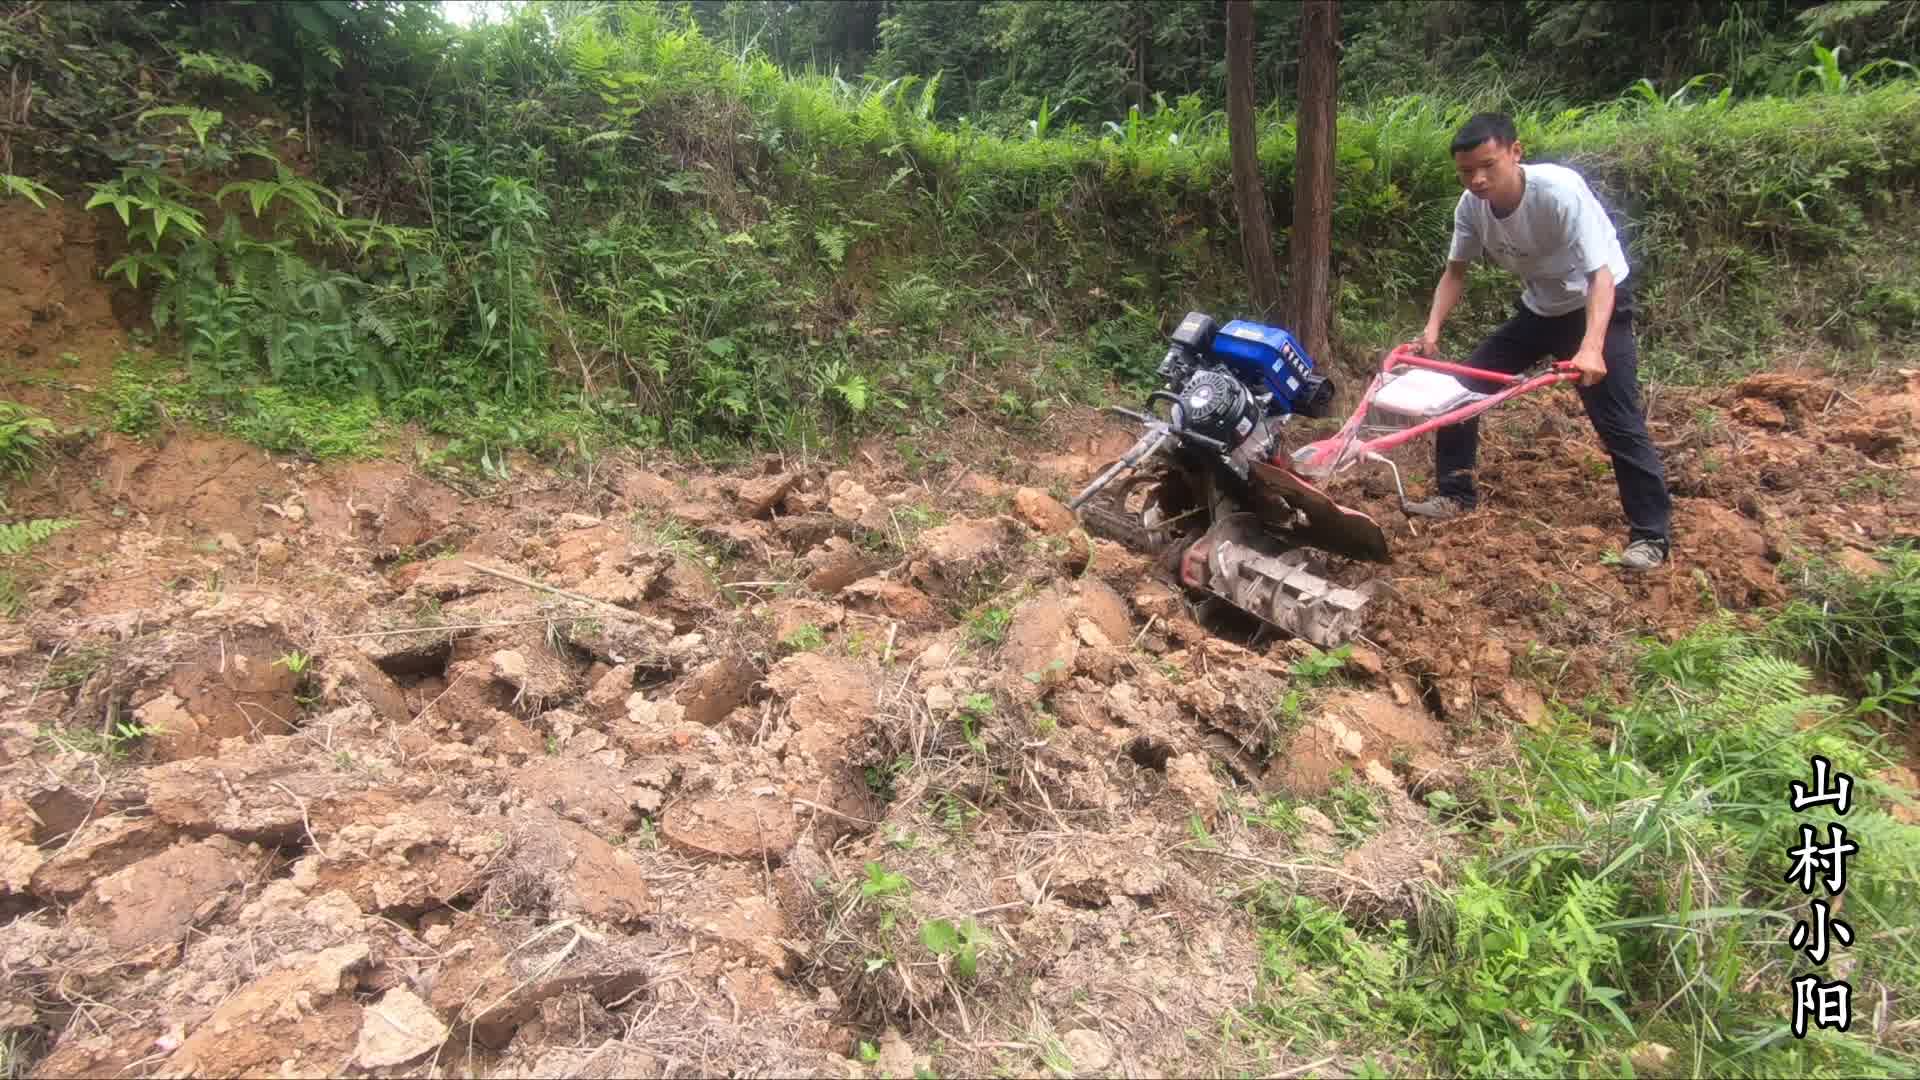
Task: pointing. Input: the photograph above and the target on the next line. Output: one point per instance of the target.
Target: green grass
(146, 398)
(987, 627)
(1864, 629)
(72, 668)
(113, 744)
(320, 427)
(23, 438)
(669, 533)
(1628, 892)
(149, 396)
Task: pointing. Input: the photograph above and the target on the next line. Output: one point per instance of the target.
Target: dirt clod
(235, 688)
(758, 498)
(828, 699)
(751, 825)
(849, 500)
(266, 792)
(397, 1029)
(536, 677)
(1089, 1050)
(961, 551)
(1041, 647)
(155, 901)
(607, 801)
(1191, 777)
(714, 690)
(647, 489)
(350, 677)
(877, 595)
(102, 847)
(407, 860)
(300, 1020)
(567, 870)
(746, 927)
(1043, 511)
(1098, 602)
(834, 565)
(18, 863)
(498, 973)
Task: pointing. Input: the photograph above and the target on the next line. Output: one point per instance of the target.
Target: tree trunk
(1312, 239)
(1249, 196)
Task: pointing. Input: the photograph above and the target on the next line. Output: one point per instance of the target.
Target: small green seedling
(883, 884)
(977, 709)
(989, 626)
(805, 638)
(962, 943)
(1318, 666)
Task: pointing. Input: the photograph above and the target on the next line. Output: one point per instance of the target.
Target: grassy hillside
(597, 223)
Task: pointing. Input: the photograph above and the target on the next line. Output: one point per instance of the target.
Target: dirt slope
(386, 810)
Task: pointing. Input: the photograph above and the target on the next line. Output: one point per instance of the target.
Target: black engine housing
(1216, 404)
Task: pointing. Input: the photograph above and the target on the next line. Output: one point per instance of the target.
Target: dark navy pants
(1613, 405)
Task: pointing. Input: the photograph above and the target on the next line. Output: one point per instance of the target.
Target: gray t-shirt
(1556, 237)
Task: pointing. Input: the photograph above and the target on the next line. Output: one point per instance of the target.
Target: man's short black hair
(1484, 126)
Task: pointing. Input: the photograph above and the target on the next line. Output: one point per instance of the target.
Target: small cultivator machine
(1209, 490)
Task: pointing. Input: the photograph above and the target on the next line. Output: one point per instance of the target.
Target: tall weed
(1633, 892)
(1863, 628)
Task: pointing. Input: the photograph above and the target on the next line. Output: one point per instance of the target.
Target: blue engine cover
(1265, 356)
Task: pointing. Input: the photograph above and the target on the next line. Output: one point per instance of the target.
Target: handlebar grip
(1212, 444)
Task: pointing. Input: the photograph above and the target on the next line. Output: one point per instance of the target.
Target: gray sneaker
(1643, 555)
(1440, 506)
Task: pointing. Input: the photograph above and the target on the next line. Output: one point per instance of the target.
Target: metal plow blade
(1283, 591)
(1287, 503)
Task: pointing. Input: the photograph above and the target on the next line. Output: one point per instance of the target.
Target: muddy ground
(300, 775)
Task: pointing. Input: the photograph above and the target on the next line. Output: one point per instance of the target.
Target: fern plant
(20, 537)
(23, 435)
(225, 68)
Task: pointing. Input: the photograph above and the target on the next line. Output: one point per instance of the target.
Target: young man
(1543, 223)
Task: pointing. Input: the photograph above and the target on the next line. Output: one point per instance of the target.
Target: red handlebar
(1330, 454)
(1401, 355)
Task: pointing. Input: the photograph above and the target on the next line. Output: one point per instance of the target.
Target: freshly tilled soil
(329, 796)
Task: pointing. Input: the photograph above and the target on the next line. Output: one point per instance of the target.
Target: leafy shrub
(605, 201)
(30, 190)
(23, 438)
